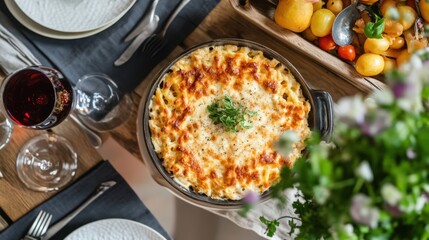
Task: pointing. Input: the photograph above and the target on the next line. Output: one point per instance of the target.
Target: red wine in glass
(37, 97)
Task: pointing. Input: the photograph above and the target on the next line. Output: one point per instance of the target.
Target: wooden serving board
(260, 13)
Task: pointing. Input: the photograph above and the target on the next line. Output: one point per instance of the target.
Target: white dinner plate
(114, 229)
(74, 15)
(39, 29)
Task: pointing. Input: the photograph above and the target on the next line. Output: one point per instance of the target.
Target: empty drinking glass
(100, 104)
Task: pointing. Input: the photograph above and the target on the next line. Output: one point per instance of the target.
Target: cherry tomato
(335, 6)
(397, 43)
(321, 22)
(318, 5)
(407, 16)
(376, 45)
(327, 43)
(347, 52)
(389, 64)
(424, 9)
(370, 64)
(385, 5)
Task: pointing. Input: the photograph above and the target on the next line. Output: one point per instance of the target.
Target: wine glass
(40, 98)
(5, 130)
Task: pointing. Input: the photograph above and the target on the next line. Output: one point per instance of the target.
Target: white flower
(362, 212)
(364, 171)
(402, 130)
(321, 194)
(285, 143)
(411, 154)
(376, 121)
(391, 194)
(348, 229)
(351, 109)
(382, 97)
(341, 231)
(420, 204)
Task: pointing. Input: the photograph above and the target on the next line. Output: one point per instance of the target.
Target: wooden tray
(260, 13)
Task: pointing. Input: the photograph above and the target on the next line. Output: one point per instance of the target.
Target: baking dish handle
(324, 113)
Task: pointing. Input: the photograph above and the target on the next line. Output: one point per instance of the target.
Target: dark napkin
(96, 54)
(118, 202)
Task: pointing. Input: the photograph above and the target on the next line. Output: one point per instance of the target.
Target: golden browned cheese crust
(204, 156)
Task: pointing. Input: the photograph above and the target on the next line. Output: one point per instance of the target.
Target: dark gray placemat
(118, 202)
(97, 53)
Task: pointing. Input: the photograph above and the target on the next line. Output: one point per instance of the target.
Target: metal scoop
(342, 29)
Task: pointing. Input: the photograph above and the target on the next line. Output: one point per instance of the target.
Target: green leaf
(271, 225)
(229, 114)
(293, 226)
(245, 209)
(374, 29)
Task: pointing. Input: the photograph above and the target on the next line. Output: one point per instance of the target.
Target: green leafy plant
(372, 180)
(229, 114)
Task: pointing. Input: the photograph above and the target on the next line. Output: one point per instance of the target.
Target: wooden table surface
(222, 22)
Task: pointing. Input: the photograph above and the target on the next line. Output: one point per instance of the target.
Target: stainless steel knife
(59, 225)
(141, 27)
(135, 44)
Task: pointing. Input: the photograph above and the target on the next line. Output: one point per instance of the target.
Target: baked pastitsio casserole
(207, 157)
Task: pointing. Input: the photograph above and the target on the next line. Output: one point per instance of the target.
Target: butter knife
(135, 44)
(59, 225)
(144, 23)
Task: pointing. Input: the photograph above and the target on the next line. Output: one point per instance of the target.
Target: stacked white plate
(69, 19)
(115, 229)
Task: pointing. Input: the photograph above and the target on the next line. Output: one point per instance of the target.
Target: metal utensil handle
(59, 225)
(93, 137)
(152, 9)
(173, 16)
(324, 113)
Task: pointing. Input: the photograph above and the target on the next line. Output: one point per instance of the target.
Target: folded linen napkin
(14, 53)
(270, 211)
(118, 202)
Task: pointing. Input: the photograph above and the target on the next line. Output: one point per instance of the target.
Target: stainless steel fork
(154, 43)
(39, 226)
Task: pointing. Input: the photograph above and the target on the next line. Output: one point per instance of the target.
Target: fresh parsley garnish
(271, 225)
(374, 29)
(229, 114)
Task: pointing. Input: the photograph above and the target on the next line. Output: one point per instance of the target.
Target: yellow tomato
(307, 34)
(403, 57)
(318, 5)
(397, 43)
(424, 9)
(321, 22)
(407, 16)
(376, 45)
(294, 15)
(335, 6)
(389, 64)
(368, 2)
(370, 64)
(385, 5)
(393, 28)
